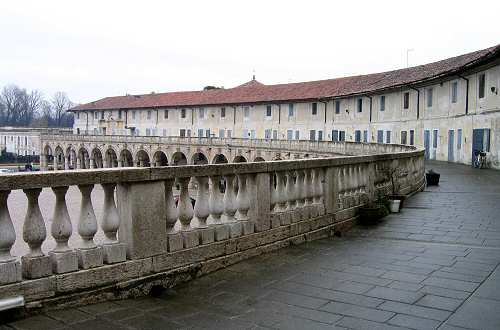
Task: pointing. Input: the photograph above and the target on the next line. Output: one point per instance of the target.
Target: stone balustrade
(159, 230)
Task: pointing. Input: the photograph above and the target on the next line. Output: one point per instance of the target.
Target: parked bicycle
(479, 159)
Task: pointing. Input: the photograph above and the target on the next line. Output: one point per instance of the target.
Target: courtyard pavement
(433, 266)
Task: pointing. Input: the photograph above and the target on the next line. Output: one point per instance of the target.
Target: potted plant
(372, 212)
(432, 178)
(395, 199)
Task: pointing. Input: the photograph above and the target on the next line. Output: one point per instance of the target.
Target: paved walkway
(435, 265)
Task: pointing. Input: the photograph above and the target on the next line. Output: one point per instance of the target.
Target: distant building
(450, 107)
(24, 141)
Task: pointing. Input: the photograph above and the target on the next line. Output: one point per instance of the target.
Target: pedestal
(175, 242)
(64, 262)
(90, 258)
(36, 267)
(114, 253)
(10, 272)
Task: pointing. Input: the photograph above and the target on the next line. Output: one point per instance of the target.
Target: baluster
(186, 213)
(35, 264)
(281, 191)
(318, 190)
(89, 255)
(64, 259)
(341, 188)
(290, 191)
(114, 251)
(174, 238)
(201, 208)
(309, 187)
(215, 203)
(274, 193)
(10, 269)
(299, 189)
(230, 207)
(243, 205)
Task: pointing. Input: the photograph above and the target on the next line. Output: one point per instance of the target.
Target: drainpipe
(466, 94)
(13, 302)
(418, 100)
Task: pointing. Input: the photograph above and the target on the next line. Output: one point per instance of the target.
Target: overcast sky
(94, 49)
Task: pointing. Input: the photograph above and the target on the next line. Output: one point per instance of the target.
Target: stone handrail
(314, 147)
(239, 210)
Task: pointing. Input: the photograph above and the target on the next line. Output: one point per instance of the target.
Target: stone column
(35, 264)
(10, 269)
(260, 199)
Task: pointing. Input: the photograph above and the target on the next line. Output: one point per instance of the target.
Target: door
(341, 135)
(451, 145)
(477, 141)
(427, 144)
(312, 135)
(335, 135)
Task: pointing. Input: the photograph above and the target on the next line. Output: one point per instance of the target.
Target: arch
(58, 157)
(83, 158)
(160, 159)
(199, 159)
(71, 158)
(239, 159)
(96, 160)
(259, 159)
(111, 160)
(126, 158)
(142, 158)
(178, 158)
(220, 159)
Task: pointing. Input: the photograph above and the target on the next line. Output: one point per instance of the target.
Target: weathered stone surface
(90, 258)
(248, 227)
(114, 253)
(221, 232)
(36, 267)
(190, 238)
(235, 229)
(175, 242)
(64, 262)
(10, 272)
(207, 235)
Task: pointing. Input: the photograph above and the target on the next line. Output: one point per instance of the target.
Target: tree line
(20, 107)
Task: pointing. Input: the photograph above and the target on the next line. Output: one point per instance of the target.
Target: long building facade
(450, 107)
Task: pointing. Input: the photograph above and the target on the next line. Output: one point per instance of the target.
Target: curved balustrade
(153, 215)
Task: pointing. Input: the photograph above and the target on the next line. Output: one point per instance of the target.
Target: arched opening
(220, 159)
(179, 158)
(126, 158)
(49, 156)
(83, 158)
(259, 159)
(199, 159)
(160, 158)
(71, 155)
(143, 158)
(59, 158)
(239, 159)
(111, 158)
(96, 159)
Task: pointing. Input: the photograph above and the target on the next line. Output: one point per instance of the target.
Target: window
(297, 135)
(223, 112)
(183, 113)
(221, 133)
(406, 100)
(267, 133)
(189, 133)
(335, 135)
(201, 113)
(382, 103)
(459, 139)
(164, 132)
(314, 109)
(365, 136)
(269, 111)
(412, 137)
(182, 132)
(200, 132)
(78, 115)
(404, 137)
(357, 136)
(320, 135)
(149, 114)
(429, 97)
(435, 139)
(245, 134)
(337, 106)
(289, 134)
(341, 135)
(454, 92)
(102, 115)
(360, 105)
(96, 115)
(77, 132)
(388, 137)
(481, 82)
(246, 112)
(148, 132)
(380, 136)
(207, 133)
(312, 135)
(275, 135)
(290, 110)
(229, 133)
(165, 114)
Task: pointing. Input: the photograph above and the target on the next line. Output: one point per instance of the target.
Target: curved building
(450, 107)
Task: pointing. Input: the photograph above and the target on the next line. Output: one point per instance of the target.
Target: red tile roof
(256, 92)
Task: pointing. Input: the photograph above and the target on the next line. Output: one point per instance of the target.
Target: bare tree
(34, 102)
(60, 104)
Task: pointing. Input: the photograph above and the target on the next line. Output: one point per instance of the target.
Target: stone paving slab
(435, 265)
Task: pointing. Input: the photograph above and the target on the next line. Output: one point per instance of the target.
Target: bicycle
(479, 159)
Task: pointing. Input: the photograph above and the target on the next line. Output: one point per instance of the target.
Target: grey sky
(93, 49)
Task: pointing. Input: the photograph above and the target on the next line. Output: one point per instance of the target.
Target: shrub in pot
(374, 211)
